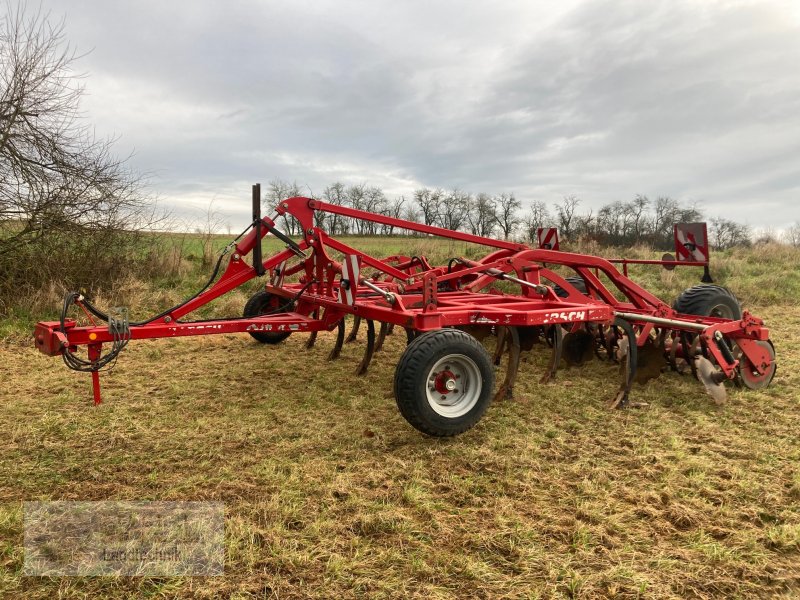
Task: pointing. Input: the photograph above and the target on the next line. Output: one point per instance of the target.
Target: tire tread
(699, 299)
(406, 384)
(252, 308)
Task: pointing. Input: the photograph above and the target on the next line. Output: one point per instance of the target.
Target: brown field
(329, 493)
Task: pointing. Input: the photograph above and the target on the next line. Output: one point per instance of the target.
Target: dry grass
(329, 493)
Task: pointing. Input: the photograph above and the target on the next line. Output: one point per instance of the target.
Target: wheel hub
(453, 385)
(445, 382)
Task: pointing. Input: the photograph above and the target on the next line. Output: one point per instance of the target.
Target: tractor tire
(443, 382)
(262, 303)
(707, 300)
(576, 281)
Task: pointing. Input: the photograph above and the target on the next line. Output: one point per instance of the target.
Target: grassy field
(329, 493)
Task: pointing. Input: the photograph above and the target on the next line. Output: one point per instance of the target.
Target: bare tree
(727, 234)
(429, 202)
(665, 215)
(507, 213)
(453, 210)
(565, 213)
(69, 208)
(538, 216)
(54, 174)
(792, 235)
(336, 194)
(764, 235)
(638, 216)
(609, 222)
(393, 209)
(278, 191)
(412, 213)
(482, 215)
(373, 201)
(585, 224)
(356, 198)
(206, 231)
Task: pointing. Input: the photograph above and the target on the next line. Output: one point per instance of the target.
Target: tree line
(620, 223)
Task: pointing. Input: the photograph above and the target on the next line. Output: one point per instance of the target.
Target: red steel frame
(413, 294)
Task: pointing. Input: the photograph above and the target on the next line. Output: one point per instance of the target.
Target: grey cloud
(604, 99)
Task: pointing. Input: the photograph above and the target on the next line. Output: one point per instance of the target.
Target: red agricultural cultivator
(444, 380)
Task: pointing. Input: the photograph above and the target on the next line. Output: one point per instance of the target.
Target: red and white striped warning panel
(691, 242)
(548, 238)
(351, 266)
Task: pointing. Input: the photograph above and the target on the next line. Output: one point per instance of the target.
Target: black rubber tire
(262, 303)
(709, 300)
(416, 363)
(576, 281)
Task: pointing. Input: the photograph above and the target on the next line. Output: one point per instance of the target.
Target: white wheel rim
(453, 385)
(721, 311)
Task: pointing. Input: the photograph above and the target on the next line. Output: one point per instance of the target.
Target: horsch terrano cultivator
(444, 380)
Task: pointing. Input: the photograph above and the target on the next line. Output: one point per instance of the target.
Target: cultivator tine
(312, 339)
(390, 329)
(369, 350)
(506, 390)
(354, 331)
(628, 359)
(382, 333)
(557, 340)
(501, 345)
(337, 348)
(410, 335)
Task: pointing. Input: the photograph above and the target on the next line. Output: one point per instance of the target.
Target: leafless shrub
(792, 235)
(207, 231)
(727, 234)
(68, 205)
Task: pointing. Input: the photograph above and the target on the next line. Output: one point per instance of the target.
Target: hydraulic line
(120, 327)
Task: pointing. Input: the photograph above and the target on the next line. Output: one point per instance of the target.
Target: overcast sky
(698, 100)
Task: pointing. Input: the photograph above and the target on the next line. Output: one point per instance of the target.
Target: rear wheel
(575, 281)
(443, 382)
(264, 303)
(707, 300)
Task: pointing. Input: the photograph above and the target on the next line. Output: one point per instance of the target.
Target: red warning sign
(691, 242)
(548, 238)
(351, 266)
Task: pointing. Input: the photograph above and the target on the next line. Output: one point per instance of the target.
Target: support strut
(95, 351)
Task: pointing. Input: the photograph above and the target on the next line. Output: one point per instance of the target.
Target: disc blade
(705, 374)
